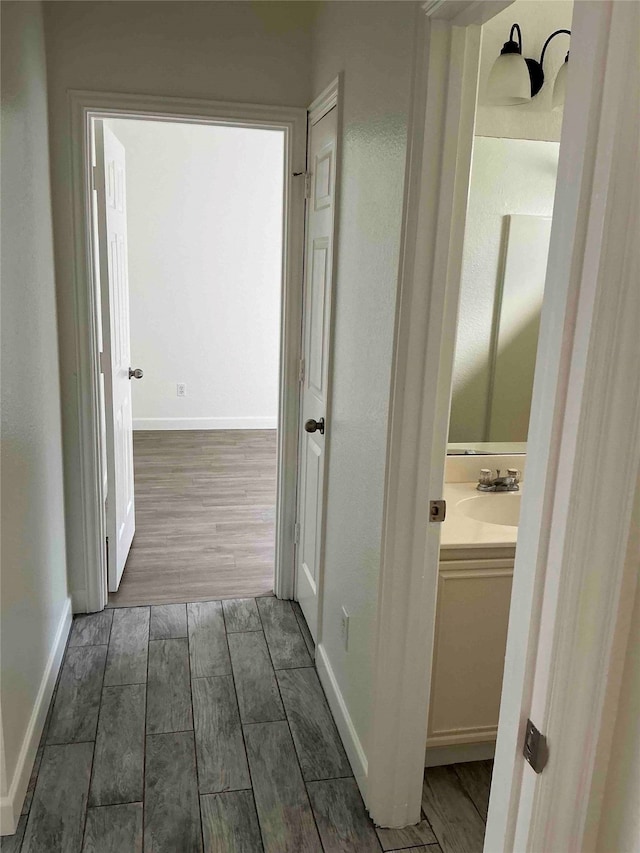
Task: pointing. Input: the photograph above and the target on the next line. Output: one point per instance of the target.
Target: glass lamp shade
(509, 81)
(560, 87)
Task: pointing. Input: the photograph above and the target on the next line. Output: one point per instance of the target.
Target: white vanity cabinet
(472, 615)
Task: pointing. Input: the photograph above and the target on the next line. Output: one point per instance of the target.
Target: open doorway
(188, 252)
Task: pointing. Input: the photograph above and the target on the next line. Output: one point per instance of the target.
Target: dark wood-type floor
(203, 728)
(205, 513)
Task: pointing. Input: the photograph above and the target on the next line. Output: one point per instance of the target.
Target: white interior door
(315, 377)
(116, 357)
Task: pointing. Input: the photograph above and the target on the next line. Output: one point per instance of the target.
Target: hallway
(205, 516)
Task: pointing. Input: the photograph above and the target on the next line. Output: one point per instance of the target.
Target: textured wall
(233, 51)
(534, 120)
(373, 44)
(507, 176)
(204, 222)
(33, 581)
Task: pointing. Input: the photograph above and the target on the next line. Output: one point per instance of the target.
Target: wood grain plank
(230, 823)
(285, 816)
(127, 657)
(222, 762)
(75, 711)
(118, 763)
(91, 629)
(418, 835)
(56, 819)
(453, 817)
(343, 822)
(282, 633)
(475, 778)
(172, 809)
(114, 829)
(169, 687)
(185, 483)
(256, 686)
(304, 628)
(315, 735)
(241, 615)
(207, 639)
(168, 622)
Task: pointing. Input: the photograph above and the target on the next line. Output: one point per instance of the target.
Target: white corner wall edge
(346, 729)
(205, 423)
(11, 805)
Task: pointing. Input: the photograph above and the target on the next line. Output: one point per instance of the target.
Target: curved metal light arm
(546, 44)
(516, 29)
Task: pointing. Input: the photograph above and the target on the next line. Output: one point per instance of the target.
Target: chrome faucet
(509, 483)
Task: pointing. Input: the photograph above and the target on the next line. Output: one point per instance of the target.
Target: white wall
(235, 51)
(204, 221)
(537, 19)
(507, 176)
(35, 611)
(373, 44)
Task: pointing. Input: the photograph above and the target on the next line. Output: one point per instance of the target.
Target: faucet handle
(486, 476)
(513, 472)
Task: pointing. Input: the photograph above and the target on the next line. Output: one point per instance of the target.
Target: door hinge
(101, 361)
(296, 533)
(437, 510)
(307, 182)
(96, 179)
(301, 370)
(535, 750)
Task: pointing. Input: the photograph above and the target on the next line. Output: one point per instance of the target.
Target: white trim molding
(435, 208)
(205, 423)
(85, 106)
(11, 805)
(347, 730)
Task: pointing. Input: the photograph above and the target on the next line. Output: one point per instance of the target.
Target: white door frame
(572, 537)
(86, 106)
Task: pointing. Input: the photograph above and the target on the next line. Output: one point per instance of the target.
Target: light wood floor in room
(205, 517)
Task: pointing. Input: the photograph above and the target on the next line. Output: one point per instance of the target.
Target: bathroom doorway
(568, 561)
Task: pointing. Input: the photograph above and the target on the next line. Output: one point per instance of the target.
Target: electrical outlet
(344, 629)
(181, 389)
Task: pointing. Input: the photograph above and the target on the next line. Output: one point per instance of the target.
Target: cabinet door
(472, 616)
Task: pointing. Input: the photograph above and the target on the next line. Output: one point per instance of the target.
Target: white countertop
(459, 531)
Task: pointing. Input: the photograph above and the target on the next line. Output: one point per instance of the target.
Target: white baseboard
(11, 805)
(435, 756)
(205, 423)
(347, 731)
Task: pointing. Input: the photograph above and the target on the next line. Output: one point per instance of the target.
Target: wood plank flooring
(205, 517)
(224, 744)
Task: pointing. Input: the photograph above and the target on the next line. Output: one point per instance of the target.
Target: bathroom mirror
(504, 266)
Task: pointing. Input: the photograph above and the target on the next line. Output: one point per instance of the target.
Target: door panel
(316, 333)
(114, 287)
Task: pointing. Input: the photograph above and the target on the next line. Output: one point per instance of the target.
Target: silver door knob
(135, 374)
(314, 426)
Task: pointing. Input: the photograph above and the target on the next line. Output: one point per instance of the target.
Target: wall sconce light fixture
(515, 79)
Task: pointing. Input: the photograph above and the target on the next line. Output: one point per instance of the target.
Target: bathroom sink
(492, 508)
